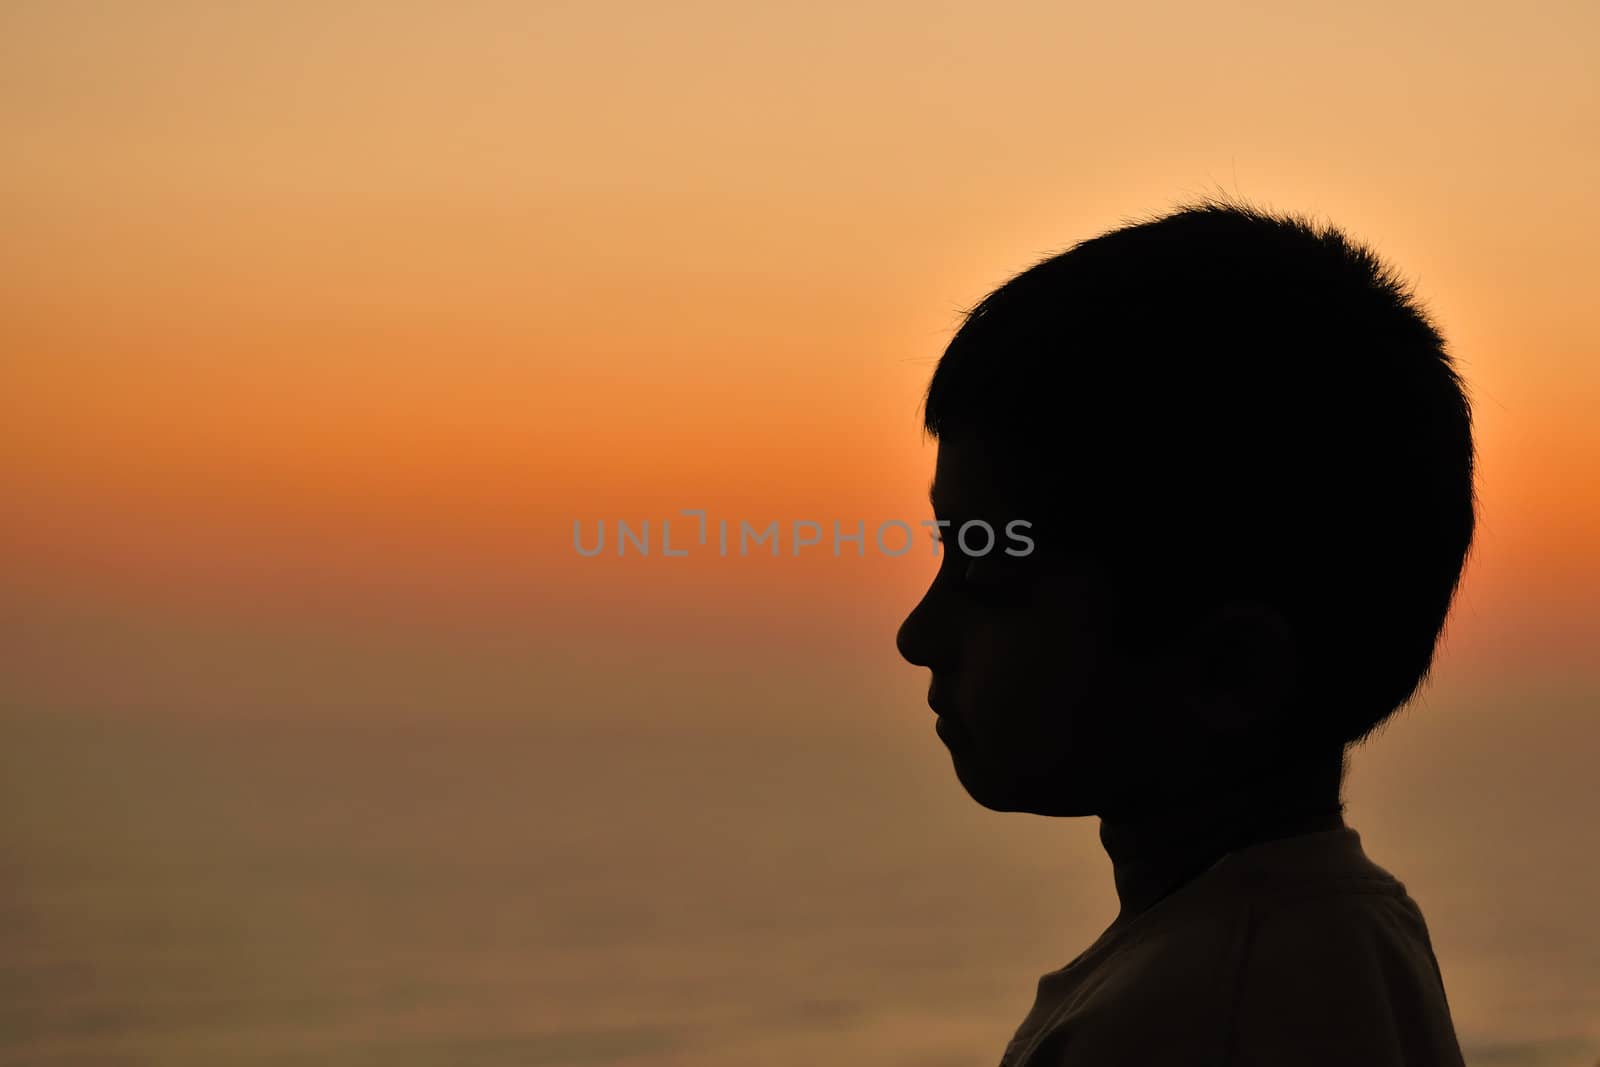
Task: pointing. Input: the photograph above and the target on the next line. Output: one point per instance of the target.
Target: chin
(998, 793)
(992, 791)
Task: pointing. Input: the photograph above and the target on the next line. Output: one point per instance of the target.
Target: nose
(914, 639)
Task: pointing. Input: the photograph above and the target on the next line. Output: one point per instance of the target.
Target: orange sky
(371, 301)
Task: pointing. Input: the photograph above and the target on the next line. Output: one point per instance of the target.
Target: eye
(984, 579)
(981, 575)
(953, 566)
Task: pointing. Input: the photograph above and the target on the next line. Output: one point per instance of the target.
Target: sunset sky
(352, 304)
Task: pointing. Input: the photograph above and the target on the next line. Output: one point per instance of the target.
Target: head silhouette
(1247, 460)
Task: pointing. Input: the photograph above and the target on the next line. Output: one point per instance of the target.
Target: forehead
(972, 477)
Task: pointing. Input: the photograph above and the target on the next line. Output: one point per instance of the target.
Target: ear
(1238, 667)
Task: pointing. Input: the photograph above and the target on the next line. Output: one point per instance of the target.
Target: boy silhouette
(1248, 463)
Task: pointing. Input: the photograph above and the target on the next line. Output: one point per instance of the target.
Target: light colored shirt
(1299, 952)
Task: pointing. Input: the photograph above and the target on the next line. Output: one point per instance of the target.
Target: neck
(1155, 851)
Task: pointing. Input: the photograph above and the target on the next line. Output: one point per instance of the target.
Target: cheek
(1029, 690)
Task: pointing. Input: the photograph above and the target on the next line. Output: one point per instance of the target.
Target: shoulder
(1341, 974)
(1157, 994)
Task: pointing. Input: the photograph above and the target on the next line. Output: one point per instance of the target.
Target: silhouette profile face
(1042, 709)
(1015, 647)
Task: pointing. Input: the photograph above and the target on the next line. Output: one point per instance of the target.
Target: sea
(658, 889)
